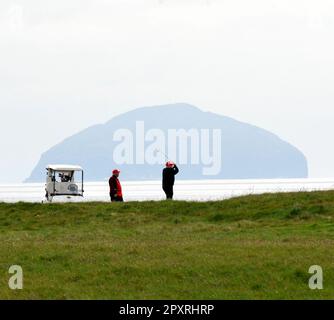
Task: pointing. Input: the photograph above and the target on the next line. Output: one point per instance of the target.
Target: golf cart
(64, 180)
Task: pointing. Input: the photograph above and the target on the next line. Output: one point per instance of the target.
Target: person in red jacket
(115, 187)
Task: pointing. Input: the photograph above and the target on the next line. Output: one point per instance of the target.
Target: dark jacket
(115, 186)
(168, 176)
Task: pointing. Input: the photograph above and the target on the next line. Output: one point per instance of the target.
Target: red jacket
(115, 186)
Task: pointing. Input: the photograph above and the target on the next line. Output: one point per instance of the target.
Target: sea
(190, 190)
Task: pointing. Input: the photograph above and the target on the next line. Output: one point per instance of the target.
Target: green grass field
(254, 247)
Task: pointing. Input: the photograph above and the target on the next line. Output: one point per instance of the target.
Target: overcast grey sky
(80, 62)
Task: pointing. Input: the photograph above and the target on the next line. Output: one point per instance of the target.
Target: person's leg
(169, 193)
(113, 198)
(165, 191)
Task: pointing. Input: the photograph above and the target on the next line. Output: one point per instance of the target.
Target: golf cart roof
(63, 167)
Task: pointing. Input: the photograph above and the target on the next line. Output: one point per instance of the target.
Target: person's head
(170, 164)
(116, 172)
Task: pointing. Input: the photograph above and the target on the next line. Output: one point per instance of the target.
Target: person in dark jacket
(115, 187)
(168, 178)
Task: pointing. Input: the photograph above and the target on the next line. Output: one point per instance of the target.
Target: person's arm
(163, 176)
(113, 186)
(176, 169)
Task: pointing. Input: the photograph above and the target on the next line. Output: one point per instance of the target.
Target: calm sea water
(199, 190)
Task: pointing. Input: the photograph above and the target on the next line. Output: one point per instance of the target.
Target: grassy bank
(254, 247)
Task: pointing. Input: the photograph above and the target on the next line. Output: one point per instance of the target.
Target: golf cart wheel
(48, 197)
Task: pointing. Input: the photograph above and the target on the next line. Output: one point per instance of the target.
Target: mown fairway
(254, 247)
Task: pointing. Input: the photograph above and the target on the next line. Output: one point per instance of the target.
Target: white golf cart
(64, 180)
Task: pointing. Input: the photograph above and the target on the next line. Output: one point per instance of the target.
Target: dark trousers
(116, 199)
(168, 191)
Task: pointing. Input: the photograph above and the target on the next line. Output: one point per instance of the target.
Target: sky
(67, 65)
